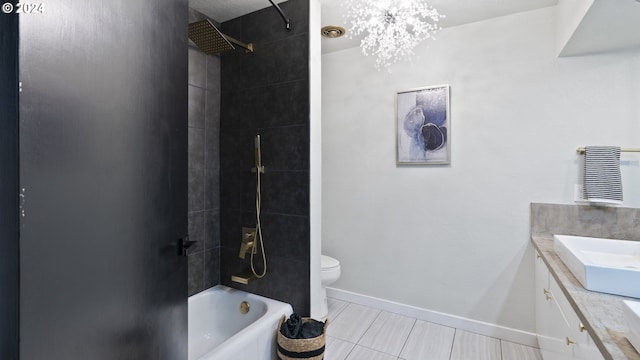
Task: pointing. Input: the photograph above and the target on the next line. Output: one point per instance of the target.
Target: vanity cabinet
(561, 335)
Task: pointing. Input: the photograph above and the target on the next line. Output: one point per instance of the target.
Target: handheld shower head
(258, 154)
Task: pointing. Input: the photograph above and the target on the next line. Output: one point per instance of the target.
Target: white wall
(315, 181)
(455, 239)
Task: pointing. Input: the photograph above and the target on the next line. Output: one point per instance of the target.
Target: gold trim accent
(582, 327)
(332, 31)
(247, 47)
(244, 277)
(244, 307)
(570, 342)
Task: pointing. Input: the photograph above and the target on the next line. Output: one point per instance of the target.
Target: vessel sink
(602, 265)
(631, 311)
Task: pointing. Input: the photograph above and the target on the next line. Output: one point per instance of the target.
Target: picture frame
(423, 126)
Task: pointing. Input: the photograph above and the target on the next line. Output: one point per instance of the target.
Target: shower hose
(258, 225)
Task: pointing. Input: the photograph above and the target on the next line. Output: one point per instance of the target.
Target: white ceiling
(223, 10)
(457, 12)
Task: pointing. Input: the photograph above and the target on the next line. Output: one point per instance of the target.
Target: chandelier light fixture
(392, 28)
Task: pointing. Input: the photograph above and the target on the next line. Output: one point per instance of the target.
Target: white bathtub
(219, 331)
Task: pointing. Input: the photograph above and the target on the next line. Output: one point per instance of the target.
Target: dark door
(103, 165)
(9, 271)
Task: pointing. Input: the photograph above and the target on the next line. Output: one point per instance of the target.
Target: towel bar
(581, 150)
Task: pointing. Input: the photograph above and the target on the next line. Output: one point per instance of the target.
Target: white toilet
(329, 273)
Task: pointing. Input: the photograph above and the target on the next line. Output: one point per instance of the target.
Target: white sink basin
(631, 311)
(603, 265)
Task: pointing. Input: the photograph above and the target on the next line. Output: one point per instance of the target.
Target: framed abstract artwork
(423, 126)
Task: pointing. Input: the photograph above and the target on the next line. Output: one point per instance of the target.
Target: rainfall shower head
(210, 40)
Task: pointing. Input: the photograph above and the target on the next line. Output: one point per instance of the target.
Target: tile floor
(358, 332)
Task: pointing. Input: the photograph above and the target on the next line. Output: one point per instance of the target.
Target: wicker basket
(295, 349)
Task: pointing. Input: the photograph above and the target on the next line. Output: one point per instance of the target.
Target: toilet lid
(327, 262)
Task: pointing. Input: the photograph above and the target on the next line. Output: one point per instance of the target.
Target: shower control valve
(248, 242)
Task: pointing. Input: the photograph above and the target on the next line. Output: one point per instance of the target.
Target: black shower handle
(183, 244)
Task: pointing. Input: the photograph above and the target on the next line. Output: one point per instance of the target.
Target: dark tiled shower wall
(267, 93)
(204, 167)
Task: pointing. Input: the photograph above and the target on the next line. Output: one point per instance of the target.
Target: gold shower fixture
(210, 40)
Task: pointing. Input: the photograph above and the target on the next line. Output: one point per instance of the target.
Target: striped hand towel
(602, 179)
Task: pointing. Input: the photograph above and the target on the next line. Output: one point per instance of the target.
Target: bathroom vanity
(572, 322)
(593, 320)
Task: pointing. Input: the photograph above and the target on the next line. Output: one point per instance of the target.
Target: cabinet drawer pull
(546, 292)
(582, 328)
(569, 341)
(538, 256)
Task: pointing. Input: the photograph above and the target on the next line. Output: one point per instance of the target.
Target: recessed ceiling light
(333, 31)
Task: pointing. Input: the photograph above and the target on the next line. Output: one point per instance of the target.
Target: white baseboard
(475, 326)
